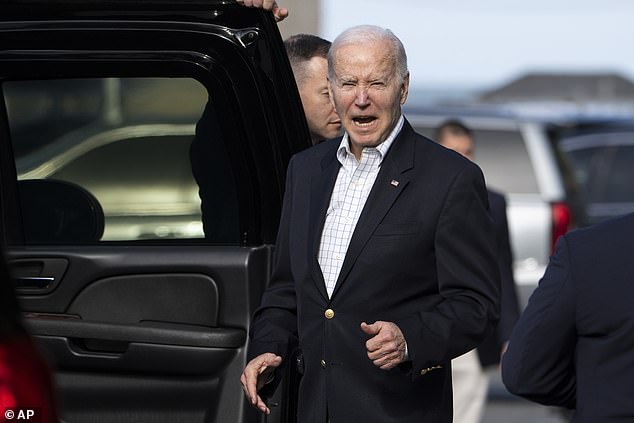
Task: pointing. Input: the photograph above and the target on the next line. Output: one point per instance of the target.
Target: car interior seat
(55, 211)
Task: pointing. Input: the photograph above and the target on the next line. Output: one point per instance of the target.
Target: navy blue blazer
(574, 344)
(422, 256)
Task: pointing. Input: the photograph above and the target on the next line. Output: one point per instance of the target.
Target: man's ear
(405, 89)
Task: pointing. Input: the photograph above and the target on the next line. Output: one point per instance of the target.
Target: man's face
(367, 92)
(462, 144)
(322, 119)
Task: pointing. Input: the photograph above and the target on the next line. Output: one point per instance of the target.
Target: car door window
(505, 161)
(118, 159)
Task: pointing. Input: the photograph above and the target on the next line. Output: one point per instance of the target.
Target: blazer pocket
(387, 229)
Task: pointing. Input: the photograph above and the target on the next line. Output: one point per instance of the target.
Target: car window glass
(604, 173)
(505, 161)
(110, 159)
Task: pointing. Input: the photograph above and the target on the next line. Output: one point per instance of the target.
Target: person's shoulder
(322, 149)
(431, 154)
(496, 194)
(611, 231)
(317, 153)
(609, 241)
(496, 198)
(592, 253)
(429, 150)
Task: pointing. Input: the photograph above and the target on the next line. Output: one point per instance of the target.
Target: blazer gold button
(323, 363)
(429, 369)
(330, 313)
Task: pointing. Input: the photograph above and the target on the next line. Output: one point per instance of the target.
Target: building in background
(304, 17)
(593, 93)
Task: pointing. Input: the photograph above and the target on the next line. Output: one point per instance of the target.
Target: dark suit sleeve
(509, 311)
(539, 363)
(489, 350)
(468, 277)
(274, 325)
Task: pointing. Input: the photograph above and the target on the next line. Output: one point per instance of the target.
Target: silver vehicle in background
(519, 160)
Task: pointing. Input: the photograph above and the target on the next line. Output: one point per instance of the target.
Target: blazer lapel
(322, 186)
(390, 182)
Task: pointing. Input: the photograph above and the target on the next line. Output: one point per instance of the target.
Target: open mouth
(363, 121)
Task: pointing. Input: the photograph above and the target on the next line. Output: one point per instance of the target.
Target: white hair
(370, 33)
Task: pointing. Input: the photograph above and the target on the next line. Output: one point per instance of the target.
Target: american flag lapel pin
(394, 182)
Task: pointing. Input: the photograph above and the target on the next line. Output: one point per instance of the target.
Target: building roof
(573, 87)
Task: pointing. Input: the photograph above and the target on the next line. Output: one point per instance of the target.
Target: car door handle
(33, 282)
(38, 275)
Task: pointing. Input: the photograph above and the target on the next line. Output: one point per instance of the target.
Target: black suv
(143, 149)
(601, 153)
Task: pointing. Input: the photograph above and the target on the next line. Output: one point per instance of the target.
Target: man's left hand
(280, 13)
(386, 347)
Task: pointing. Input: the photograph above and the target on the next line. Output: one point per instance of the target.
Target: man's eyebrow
(343, 79)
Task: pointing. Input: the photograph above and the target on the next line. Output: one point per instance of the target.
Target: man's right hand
(255, 375)
(280, 13)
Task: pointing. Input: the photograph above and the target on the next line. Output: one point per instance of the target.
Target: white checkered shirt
(353, 185)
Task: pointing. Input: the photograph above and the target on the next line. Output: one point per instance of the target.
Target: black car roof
(56, 9)
(117, 4)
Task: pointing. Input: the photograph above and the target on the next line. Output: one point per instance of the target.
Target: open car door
(142, 157)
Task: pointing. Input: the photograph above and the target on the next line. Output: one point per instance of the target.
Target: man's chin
(364, 139)
(333, 134)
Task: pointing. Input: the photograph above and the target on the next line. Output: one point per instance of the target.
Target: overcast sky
(475, 43)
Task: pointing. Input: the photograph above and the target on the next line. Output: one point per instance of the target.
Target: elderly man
(308, 56)
(385, 261)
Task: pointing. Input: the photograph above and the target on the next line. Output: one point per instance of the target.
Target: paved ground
(503, 407)
(519, 411)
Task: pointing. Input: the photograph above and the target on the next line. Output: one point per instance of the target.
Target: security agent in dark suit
(470, 380)
(308, 55)
(455, 135)
(417, 283)
(573, 345)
